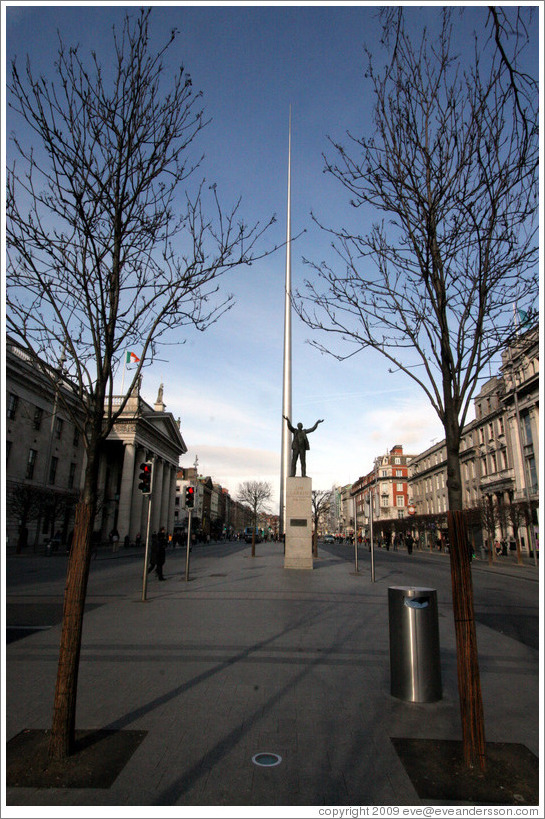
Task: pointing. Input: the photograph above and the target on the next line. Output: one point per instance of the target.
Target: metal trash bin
(415, 669)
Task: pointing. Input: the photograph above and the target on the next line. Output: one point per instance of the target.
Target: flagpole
(286, 394)
(123, 377)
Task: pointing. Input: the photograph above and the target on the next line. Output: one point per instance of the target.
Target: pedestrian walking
(158, 553)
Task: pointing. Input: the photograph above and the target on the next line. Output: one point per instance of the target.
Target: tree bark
(469, 685)
(64, 708)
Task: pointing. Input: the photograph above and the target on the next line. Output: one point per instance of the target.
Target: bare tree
(321, 504)
(257, 495)
(489, 519)
(108, 251)
(517, 514)
(24, 501)
(432, 285)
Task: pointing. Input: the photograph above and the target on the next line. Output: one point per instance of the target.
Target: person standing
(114, 538)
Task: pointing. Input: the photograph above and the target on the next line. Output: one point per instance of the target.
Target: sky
(252, 62)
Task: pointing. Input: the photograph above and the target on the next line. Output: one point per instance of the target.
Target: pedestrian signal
(146, 471)
(190, 497)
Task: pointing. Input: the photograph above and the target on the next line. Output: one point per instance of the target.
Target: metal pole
(356, 533)
(286, 393)
(371, 504)
(145, 578)
(188, 546)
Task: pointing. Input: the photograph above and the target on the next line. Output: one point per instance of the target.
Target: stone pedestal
(298, 524)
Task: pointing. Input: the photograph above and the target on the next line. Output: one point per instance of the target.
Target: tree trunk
(469, 685)
(519, 551)
(63, 728)
(64, 707)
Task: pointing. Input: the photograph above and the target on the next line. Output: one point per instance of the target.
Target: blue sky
(252, 63)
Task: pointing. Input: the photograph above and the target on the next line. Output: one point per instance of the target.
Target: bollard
(415, 669)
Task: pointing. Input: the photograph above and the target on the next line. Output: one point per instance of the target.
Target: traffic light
(190, 497)
(146, 472)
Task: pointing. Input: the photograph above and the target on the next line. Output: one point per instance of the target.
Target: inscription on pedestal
(298, 554)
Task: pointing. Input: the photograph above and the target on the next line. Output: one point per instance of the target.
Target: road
(506, 597)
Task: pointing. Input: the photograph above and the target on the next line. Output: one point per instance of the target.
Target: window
(53, 469)
(501, 430)
(31, 463)
(13, 401)
(527, 426)
(397, 460)
(38, 415)
(400, 500)
(75, 440)
(58, 428)
(531, 464)
(71, 476)
(399, 473)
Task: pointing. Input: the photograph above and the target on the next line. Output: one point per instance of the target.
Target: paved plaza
(248, 658)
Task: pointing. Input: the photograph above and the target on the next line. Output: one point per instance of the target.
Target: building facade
(387, 487)
(45, 461)
(215, 514)
(499, 455)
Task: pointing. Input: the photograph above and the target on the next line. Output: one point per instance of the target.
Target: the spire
(286, 395)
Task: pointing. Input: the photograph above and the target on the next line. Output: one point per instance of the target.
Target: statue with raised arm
(300, 445)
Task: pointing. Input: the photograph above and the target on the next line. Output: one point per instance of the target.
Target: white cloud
(231, 466)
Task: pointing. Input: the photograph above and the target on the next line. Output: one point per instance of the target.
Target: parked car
(328, 539)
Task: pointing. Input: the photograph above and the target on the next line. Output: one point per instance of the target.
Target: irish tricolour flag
(132, 358)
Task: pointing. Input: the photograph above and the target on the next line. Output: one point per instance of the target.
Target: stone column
(171, 499)
(125, 495)
(135, 524)
(156, 495)
(165, 490)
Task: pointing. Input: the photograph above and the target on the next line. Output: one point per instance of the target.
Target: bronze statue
(300, 445)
